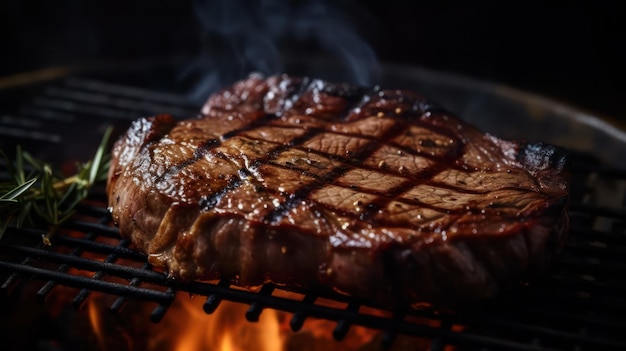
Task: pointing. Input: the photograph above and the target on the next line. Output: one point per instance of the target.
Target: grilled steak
(374, 193)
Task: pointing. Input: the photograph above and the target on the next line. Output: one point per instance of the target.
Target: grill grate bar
(87, 243)
(157, 314)
(47, 114)
(611, 288)
(214, 299)
(90, 245)
(343, 325)
(22, 121)
(84, 109)
(77, 251)
(111, 258)
(14, 277)
(253, 313)
(523, 316)
(100, 229)
(591, 249)
(97, 247)
(76, 281)
(27, 133)
(521, 328)
(127, 91)
(138, 106)
(298, 318)
(117, 305)
(381, 323)
(47, 288)
(81, 263)
(591, 267)
(390, 335)
(617, 213)
(438, 343)
(610, 238)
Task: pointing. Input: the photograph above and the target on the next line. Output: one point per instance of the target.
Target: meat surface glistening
(373, 193)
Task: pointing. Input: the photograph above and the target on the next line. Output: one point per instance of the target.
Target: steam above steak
(373, 193)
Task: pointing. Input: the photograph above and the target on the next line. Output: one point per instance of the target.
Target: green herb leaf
(14, 193)
(96, 165)
(46, 196)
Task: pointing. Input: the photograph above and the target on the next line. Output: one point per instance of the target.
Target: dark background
(571, 51)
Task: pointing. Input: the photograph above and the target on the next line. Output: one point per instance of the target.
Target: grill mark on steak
(303, 193)
(371, 209)
(206, 146)
(267, 118)
(197, 154)
(451, 153)
(234, 183)
(208, 202)
(385, 197)
(274, 153)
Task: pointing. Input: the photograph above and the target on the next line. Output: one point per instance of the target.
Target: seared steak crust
(373, 193)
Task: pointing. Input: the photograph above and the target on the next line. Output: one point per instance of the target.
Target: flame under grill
(580, 305)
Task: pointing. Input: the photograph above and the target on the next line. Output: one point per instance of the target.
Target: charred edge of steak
(141, 132)
(550, 164)
(540, 157)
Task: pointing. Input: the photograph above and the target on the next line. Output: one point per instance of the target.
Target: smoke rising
(267, 36)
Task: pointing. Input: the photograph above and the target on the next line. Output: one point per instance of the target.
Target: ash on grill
(579, 305)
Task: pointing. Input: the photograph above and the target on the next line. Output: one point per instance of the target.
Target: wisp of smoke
(245, 36)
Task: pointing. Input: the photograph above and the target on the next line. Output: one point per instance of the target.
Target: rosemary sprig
(41, 195)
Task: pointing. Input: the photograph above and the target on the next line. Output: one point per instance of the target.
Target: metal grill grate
(580, 305)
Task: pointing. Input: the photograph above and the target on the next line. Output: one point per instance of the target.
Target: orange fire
(186, 327)
(96, 324)
(225, 330)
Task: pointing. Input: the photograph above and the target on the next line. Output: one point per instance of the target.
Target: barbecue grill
(580, 304)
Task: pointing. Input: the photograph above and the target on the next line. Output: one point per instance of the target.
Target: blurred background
(571, 51)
